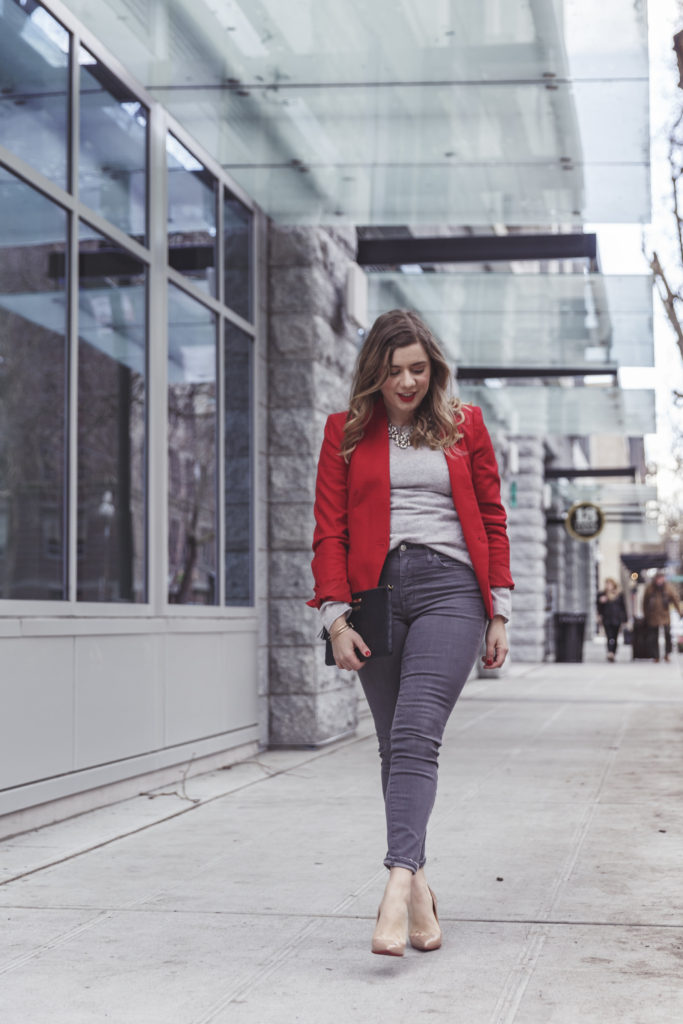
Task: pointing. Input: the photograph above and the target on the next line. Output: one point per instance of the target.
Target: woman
(612, 612)
(408, 494)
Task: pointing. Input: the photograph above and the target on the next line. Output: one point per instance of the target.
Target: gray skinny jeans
(438, 625)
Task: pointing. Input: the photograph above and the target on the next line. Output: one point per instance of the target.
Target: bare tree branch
(672, 300)
(669, 299)
(674, 152)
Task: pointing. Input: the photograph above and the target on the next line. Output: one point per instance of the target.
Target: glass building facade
(91, 280)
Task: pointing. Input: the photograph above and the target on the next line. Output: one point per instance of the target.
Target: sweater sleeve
(330, 612)
(502, 602)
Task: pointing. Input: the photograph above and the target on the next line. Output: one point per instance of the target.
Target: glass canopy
(573, 411)
(404, 112)
(387, 40)
(630, 509)
(512, 320)
(605, 493)
(640, 532)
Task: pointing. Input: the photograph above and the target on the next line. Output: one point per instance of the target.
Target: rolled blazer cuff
(333, 592)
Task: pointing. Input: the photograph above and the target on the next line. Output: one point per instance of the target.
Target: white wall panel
(240, 673)
(210, 684)
(36, 697)
(118, 697)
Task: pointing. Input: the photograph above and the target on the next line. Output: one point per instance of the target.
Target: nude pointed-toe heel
(427, 941)
(387, 946)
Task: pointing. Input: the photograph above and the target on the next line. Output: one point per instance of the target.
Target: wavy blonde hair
(439, 413)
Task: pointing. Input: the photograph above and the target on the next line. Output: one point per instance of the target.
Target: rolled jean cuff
(402, 862)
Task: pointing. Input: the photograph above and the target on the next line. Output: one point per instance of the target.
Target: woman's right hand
(345, 645)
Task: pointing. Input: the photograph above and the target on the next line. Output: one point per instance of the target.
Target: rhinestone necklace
(400, 435)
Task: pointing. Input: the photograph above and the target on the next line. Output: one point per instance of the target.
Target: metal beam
(483, 372)
(390, 252)
(557, 473)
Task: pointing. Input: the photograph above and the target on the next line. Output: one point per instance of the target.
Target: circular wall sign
(585, 520)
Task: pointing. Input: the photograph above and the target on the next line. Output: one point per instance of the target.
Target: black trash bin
(569, 631)
(644, 640)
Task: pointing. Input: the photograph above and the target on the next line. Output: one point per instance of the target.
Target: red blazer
(353, 511)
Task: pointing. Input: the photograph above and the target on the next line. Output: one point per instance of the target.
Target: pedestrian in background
(612, 613)
(408, 495)
(659, 596)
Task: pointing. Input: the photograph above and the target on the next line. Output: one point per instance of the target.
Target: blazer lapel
(369, 475)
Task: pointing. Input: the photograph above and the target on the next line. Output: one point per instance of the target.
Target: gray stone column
(593, 585)
(573, 577)
(556, 570)
(527, 531)
(571, 573)
(312, 350)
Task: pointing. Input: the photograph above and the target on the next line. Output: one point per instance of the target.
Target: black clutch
(371, 617)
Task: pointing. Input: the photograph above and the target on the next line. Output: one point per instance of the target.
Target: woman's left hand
(496, 643)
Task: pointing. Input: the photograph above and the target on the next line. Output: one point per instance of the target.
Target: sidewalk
(556, 854)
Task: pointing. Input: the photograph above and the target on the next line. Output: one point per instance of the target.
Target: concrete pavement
(556, 851)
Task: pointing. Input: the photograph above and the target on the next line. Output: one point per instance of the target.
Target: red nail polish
(489, 661)
(367, 654)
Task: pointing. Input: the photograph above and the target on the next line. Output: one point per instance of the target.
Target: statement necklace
(400, 435)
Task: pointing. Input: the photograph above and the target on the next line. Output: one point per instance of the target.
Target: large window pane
(113, 150)
(238, 466)
(32, 393)
(192, 528)
(111, 422)
(34, 87)
(191, 216)
(237, 221)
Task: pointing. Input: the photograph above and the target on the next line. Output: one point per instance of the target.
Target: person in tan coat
(659, 596)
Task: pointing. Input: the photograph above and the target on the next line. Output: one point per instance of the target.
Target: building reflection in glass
(191, 216)
(112, 361)
(238, 243)
(192, 430)
(33, 387)
(34, 87)
(238, 466)
(112, 167)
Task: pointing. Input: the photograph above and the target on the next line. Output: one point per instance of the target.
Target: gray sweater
(422, 512)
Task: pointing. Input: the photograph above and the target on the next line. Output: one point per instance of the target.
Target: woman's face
(407, 383)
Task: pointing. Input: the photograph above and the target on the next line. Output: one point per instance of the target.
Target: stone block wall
(527, 531)
(312, 349)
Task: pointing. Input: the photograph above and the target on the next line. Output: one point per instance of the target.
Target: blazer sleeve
(486, 481)
(331, 535)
